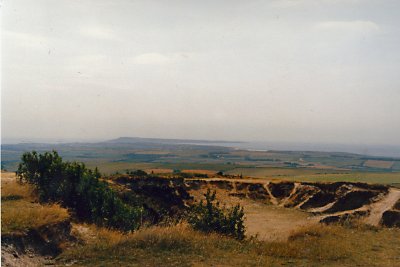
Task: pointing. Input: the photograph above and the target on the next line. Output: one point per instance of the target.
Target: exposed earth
(274, 210)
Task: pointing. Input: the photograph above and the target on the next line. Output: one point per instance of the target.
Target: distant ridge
(132, 140)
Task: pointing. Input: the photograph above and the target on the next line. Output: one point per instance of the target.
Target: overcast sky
(284, 70)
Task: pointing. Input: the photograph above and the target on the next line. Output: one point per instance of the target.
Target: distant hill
(179, 154)
(133, 140)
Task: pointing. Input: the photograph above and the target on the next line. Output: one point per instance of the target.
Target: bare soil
(274, 210)
(378, 208)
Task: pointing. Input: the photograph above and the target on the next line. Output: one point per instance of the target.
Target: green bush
(78, 188)
(139, 173)
(210, 217)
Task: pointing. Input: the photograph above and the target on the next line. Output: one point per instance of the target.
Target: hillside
(282, 218)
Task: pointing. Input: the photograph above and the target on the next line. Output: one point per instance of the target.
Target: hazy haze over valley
(282, 71)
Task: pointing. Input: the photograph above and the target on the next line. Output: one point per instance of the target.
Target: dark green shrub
(210, 217)
(78, 188)
(138, 173)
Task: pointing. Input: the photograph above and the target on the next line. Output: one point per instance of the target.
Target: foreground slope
(178, 245)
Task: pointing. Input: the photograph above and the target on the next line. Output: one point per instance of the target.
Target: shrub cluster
(179, 174)
(210, 217)
(78, 188)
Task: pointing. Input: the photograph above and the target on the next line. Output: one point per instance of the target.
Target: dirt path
(378, 208)
(274, 223)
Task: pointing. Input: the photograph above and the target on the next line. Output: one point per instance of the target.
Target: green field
(112, 157)
(318, 175)
(121, 167)
(292, 174)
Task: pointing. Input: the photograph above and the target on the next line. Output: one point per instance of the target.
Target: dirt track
(378, 208)
(274, 223)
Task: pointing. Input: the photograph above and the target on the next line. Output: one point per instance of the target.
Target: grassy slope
(181, 246)
(20, 215)
(19, 212)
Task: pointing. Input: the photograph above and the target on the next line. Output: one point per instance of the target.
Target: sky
(280, 70)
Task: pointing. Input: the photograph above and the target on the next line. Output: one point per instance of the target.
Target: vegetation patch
(210, 217)
(12, 190)
(181, 246)
(177, 245)
(78, 188)
(21, 215)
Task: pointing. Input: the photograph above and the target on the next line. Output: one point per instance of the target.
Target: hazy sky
(284, 70)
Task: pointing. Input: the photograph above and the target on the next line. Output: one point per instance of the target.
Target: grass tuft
(11, 189)
(20, 216)
(20, 213)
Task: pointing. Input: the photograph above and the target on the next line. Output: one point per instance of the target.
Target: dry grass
(19, 215)
(155, 246)
(314, 243)
(11, 189)
(335, 245)
(181, 246)
(19, 212)
(90, 234)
